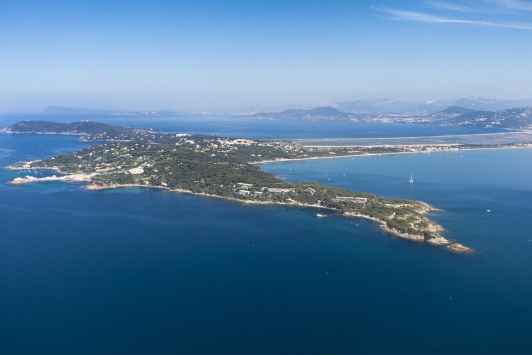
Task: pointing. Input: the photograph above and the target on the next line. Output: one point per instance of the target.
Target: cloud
(451, 6)
(482, 6)
(515, 4)
(428, 18)
(493, 7)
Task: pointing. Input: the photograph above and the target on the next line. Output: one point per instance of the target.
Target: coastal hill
(456, 110)
(59, 110)
(515, 118)
(399, 107)
(317, 113)
(92, 131)
(512, 119)
(224, 168)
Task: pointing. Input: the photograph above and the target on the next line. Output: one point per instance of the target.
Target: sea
(136, 271)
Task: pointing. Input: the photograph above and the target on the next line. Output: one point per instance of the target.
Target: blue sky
(202, 55)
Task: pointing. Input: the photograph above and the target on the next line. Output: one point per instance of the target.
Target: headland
(226, 168)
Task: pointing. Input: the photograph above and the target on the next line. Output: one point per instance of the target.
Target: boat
(411, 179)
(320, 215)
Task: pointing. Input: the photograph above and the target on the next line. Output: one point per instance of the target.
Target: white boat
(411, 179)
(320, 215)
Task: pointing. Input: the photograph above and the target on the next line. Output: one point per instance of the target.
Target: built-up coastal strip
(462, 141)
(224, 168)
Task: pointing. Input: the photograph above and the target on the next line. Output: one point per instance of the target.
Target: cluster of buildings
(238, 141)
(244, 190)
(351, 199)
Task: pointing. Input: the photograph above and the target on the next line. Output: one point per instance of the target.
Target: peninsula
(224, 168)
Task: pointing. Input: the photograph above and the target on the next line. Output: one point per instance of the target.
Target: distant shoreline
(378, 154)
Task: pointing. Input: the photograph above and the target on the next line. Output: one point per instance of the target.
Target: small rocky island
(223, 168)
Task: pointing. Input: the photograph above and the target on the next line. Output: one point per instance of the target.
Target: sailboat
(411, 180)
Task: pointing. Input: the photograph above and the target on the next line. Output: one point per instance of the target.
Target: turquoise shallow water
(137, 271)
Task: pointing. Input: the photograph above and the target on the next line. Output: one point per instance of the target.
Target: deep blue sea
(151, 272)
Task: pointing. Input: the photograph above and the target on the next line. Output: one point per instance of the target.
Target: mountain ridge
(456, 110)
(391, 106)
(60, 110)
(325, 112)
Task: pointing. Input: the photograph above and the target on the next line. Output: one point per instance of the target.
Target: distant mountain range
(360, 107)
(514, 118)
(456, 110)
(58, 110)
(318, 113)
(391, 106)
(470, 111)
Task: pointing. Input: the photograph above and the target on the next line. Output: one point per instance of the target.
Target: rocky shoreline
(437, 241)
(459, 248)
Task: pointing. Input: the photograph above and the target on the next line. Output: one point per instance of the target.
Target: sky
(206, 55)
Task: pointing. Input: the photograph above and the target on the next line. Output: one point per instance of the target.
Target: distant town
(509, 119)
(467, 112)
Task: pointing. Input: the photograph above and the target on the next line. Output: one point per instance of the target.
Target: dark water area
(234, 126)
(151, 272)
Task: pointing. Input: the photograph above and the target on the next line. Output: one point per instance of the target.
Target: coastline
(282, 160)
(437, 241)
(26, 166)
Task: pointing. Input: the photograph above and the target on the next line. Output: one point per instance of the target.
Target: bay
(138, 271)
(235, 126)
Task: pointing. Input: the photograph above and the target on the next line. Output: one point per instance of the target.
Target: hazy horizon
(499, 104)
(207, 55)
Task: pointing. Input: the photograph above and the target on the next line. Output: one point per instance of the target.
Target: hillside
(221, 167)
(456, 110)
(91, 131)
(515, 118)
(392, 106)
(318, 113)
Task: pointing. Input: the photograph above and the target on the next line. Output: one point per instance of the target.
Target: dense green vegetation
(221, 167)
(92, 131)
(317, 113)
(222, 172)
(232, 150)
